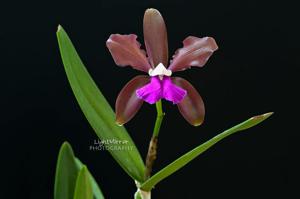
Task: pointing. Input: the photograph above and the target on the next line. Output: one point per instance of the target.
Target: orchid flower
(126, 51)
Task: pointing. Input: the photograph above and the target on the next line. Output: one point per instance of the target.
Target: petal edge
(127, 103)
(156, 38)
(195, 52)
(192, 106)
(126, 51)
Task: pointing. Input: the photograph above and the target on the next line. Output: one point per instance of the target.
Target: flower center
(160, 70)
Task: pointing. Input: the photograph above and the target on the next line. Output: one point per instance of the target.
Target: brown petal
(127, 103)
(192, 106)
(195, 52)
(125, 50)
(156, 38)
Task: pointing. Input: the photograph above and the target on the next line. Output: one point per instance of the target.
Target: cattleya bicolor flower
(159, 84)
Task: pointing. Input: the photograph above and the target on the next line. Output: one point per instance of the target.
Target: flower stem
(152, 150)
(159, 118)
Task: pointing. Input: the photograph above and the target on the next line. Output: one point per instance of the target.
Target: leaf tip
(268, 114)
(59, 28)
(66, 144)
(84, 168)
(263, 116)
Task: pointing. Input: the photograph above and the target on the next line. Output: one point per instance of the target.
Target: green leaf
(67, 170)
(97, 110)
(83, 188)
(138, 195)
(186, 158)
(66, 173)
(96, 189)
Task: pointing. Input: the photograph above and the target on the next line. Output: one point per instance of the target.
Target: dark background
(250, 74)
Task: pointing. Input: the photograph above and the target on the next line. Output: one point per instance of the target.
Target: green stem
(152, 150)
(159, 118)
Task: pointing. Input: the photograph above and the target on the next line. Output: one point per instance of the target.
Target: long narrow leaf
(67, 170)
(96, 189)
(97, 110)
(186, 158)
(83, 188)
(66, 173)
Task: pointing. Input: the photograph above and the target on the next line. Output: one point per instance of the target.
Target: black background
(250, 74)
